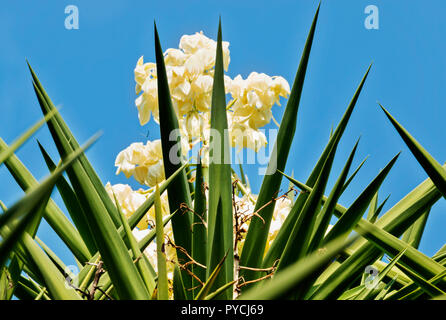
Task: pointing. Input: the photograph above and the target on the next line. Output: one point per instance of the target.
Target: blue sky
(89, 72)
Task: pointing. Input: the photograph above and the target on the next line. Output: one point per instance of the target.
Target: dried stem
(99, 272)
(191, 260)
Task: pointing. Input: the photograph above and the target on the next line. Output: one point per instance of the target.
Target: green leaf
(178, 191)
(163, 289)
(425, 285)
(285, 281)
(350, 294)
(433, 169)
(279, 243)
(297, 244)
(54, 280)
(413, 235)
(382, 295)
(25, 215)
(202, 294)
(54, 258)
(350, 179)
(199, 230)
(412, 259)
(220, 290)
(323, 218)
(142, 210)
(142, 244)
(141, 263)
(256, 237)
(122, 271)
(413, 290)
(367, 291)
(220, 216)
(354, 213)
(71, 203)
(15, 222)
(53, 214)
(373, 206)
(24, 137)
(242, 174)
(4, 283)
(378, 210)
(66, 142)
(27, 290)
(179, 292)
(395, 221)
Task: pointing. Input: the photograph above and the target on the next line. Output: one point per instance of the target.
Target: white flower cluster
(190, 75)
(190, 71)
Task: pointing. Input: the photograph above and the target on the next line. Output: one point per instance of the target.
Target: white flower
(281, 211)
(243, 136)
(255, 96)
(174, 57)
(142, 72)
(189, 72)
(280, 87)
(143, 162)
(202, 48)
(202, 89)
(129, 200)
(147, 102)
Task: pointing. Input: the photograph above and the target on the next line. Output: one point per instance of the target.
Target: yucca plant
(322, 250)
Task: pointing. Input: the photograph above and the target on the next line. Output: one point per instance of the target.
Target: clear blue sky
(89, 72)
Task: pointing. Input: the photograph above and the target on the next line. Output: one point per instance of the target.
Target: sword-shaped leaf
(293, 275)
(202, 294)
(141, 263)
(278, 245)
(71, 203)
(424, 285)
(25, 215)
(256, 237)
(412, 259)
(378, 210)
(433, 169)
(66, 142)
(162, 285)
(101, 220)
(365, 294)
(178, 192)
(5, 154)
(53, 214)
(220, 217)
(413, 235)
(298, 241)
(199, 229)
(326, 213)
(354, 213)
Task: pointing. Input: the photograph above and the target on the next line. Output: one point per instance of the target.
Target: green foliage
(308, 259)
